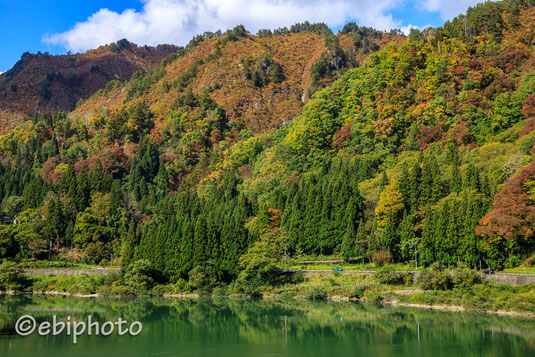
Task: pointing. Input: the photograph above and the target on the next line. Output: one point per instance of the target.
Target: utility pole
(416, 255)
(285, 257)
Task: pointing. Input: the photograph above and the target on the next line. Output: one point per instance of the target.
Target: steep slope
(225, 69)
(438, 135)
(41, 82)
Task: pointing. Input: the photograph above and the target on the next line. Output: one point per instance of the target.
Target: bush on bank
(461, 287)
(437, 277)
(391, 276)
(12, 278)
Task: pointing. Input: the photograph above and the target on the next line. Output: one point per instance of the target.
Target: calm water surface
(197, 327)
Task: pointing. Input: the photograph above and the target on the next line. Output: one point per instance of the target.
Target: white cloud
(448, 9)
(177, 21)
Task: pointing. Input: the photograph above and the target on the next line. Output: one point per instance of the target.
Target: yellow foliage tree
(390, 202)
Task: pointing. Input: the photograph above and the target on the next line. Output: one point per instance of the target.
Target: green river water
(233, 328)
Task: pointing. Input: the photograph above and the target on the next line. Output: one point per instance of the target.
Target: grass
(519, 270)
(338, 285)
(488, 296)
(72, 284)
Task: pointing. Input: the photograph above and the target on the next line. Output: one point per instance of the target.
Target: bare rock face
(428, 32)
(42, 82)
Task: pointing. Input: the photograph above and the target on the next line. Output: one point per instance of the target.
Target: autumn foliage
(513, 212)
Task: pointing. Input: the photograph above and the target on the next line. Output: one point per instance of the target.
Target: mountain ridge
(42, 82)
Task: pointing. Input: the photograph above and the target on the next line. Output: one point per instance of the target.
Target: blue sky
(59, 26)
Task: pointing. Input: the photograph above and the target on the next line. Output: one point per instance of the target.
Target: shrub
(244, 287)
(357, 293)
(463, 277)
(288, 294)
(139, 276)
(117, 290)
(408, 278)
(366, 286)
(316, 293)
(181, 286)
(530, 262)
(381, 258)
(513, 262)
(12, 278)
(113, 278)
(201, 278)
(82, 287)
(388, 275)
(297, 277)
(220, 291)
(72, 284)
(434, 278)
(374, 296)
(161, 289)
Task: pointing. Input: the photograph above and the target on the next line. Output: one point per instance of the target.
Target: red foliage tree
(113, 160)
(342, 135)
(428, 136)
(528, 109)
(48, 169)
(513, 213)
(528, 128)
(511, 58)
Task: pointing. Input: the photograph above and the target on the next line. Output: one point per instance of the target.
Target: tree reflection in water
(233, 327)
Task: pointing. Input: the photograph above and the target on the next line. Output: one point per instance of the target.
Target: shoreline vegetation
(453, 308)
(336, 298)
(436, 287)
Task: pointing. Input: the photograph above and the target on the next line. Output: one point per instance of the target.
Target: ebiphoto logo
(26, 325)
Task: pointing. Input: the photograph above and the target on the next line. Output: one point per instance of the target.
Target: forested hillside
(260, 81)
(426, 146)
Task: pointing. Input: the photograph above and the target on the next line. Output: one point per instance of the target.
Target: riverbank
(462, 309)
(458, 289)
(483, 296)
(335, 298)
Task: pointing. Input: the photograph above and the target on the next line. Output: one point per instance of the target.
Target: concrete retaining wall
(97, 271)
(503, 278)
(511, 279)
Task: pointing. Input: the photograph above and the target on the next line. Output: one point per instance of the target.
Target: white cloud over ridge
(177, 21)
(448, 9)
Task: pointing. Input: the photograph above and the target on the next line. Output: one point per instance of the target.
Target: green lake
(234, 328)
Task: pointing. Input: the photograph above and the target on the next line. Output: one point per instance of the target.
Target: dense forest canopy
(426, 148)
